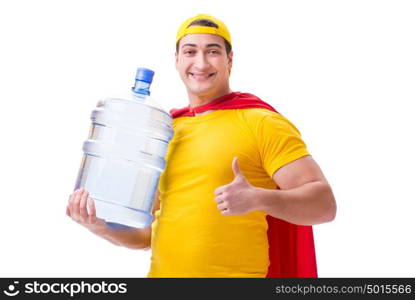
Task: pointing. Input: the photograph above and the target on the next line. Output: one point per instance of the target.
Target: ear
(230, 60)
(176, 59)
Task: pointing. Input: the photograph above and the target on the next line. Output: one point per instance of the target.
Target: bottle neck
(141, 87)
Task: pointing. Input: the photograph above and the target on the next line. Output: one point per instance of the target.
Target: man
(240, 189)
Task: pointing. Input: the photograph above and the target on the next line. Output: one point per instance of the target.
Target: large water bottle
(124, 155)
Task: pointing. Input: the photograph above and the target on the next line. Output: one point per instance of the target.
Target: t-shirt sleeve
(279, 142)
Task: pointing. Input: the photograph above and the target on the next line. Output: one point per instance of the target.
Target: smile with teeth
(201, 76)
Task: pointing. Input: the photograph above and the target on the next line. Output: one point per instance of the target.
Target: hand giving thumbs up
(237, 197)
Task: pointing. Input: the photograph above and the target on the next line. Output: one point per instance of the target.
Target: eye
(188, 51)
(213, 51)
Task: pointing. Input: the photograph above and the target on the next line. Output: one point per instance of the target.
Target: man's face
(203, 64)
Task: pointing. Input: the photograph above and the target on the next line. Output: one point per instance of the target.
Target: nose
(201, 62)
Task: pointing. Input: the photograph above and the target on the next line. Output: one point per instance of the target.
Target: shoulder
(256, 114)
(262, 119)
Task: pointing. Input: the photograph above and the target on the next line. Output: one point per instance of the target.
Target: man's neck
(199, 100)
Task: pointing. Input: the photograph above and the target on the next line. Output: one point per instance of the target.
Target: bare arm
(304, 197)
(82, 210)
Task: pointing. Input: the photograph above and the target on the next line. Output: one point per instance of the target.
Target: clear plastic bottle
(124, 155)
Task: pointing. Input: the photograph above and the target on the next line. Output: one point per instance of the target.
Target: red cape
(291, 247)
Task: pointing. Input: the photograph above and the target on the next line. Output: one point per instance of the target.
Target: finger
(221, 189)
(71, 197)
(75, 204)
(225, 212)
(219, 199)
(235, 167)
(82, 207)
(223, 206)
(92, 218)
(71, 201)
(91, 208)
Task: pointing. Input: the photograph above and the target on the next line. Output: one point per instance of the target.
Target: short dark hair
(207, 23)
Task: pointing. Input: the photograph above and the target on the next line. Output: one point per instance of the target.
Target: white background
(342, 71)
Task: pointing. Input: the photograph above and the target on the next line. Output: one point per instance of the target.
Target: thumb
(235, 168)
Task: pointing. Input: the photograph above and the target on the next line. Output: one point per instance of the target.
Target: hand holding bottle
(81, 209)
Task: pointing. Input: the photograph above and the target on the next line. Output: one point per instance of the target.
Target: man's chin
(201, 91)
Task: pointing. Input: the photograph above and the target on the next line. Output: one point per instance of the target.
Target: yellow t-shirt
(190, 237)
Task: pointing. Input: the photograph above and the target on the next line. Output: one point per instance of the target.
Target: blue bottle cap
(145, 75)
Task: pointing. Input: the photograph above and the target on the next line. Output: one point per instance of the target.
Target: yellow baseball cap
(222, 30)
